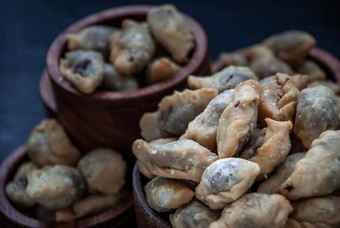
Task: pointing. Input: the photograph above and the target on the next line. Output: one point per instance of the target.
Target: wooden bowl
(47, 95)
(147, 217)
(120, 216)
(111, 119)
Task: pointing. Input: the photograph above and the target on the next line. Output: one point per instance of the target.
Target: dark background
(28, 27)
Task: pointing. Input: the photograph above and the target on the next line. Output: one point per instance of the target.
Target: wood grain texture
(111, 119)
(47, 95)
(122, 215)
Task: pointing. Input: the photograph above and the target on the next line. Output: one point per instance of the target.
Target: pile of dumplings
(139, 54)
(250, 146)
(57, 184)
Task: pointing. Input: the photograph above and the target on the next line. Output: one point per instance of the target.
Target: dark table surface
(27, 28)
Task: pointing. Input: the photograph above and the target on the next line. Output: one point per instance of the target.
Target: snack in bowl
(258, 172)
(62, 187)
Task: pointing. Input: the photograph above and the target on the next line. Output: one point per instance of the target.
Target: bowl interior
(118, 215)
(114, 17)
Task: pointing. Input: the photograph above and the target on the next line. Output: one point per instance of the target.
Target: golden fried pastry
(161, 69)
(83, 69)
(280, 175)
(291, 46)
(113, 81)
(328, 83)
(292, 223)
(16, 189)
(48, 144)
(233, 59)
(55, 187)
(254, 143)
(174, 113)
(319, 210)
(265, 64)
(203, 128)
(132, 49)
(172, 31)
(317, 111)
(318, 173)
(183, 159)
(255, 210)
(163, 194)
(193, 215)
(312, 69)
(275, 147)
(228, 78)
(226, 180)
(301, 81)
(238, 121)
(95, 38)
(104, 171)
(278, 98)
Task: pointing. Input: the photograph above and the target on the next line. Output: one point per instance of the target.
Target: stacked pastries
(236, 151)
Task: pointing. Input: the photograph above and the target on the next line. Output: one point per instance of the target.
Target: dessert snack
(228, 78)
(312, 69)
(193, 215)
(203, 128)
(48, 144)
(84, 69)
(225, 180)
(291, 46)
(240, 116)
(183, 159)
(317, 111)
(68, 185)
(113, 81)
(280, 175)
(132, 48)
(263, 62)
(254, 143)
(163, 194)
(104, 171)
(171, 30)
(233, 59)
(174, 113)
(161, 69)
(318, 173)
(95, 38)
(264, 210)
(16, 189)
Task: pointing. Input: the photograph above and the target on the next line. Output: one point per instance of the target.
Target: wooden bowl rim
(56, 50)
(8, 169)
(140, 197)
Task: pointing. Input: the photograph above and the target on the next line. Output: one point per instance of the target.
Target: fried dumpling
(132, 49)
(281, 174)
(255, 210)
(254, 143)
(48, 144)
(95, 38)
(113, 81)
(291, 46)
(226, 180)
(83, 69)
(172, 31)
(328, 83)
(228, 78)
(163, 194)
(318, 210)
(204, 127)
(318, 173)
(183, 159)
(174, 113)
(275, 147)
(161, 69)
(312, 69)
(238, 121)
(263, 62)
(193, 215)
(278, 99)
(233, 59)
(317, 111)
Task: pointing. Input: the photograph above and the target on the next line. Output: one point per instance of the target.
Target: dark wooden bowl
(47, 95)
(147, 217)
(120, 216)
(111, 119)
